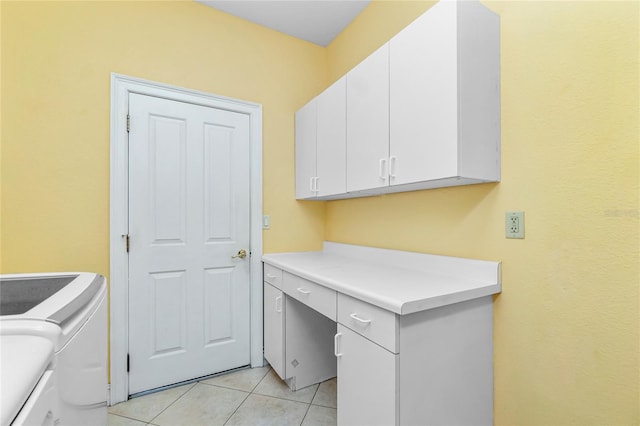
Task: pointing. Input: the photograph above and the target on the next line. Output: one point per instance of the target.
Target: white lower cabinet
(442, 373)
(367, 381)
(274, 328)
(427, 362)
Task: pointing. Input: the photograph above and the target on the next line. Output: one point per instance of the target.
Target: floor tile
(113, 420)
(145, 408)
(272, 385)
(202, 405)
(326, 395)
(321, 416)
(244, 380)
(262, 410)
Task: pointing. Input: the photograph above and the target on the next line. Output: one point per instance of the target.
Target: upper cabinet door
(331, 141)
(445, 95)
(368, 122)
(424, 97)
(306, 150)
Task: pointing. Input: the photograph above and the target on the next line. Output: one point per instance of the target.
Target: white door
(189, 205)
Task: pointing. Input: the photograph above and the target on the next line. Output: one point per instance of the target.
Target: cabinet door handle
(360, 320)
(313, 184)
(279, 304)
(383, 164)
(271, 276)
(336, 339)
(303, 291)
(392, 166)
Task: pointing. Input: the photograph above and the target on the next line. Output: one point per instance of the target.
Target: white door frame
(121, 87)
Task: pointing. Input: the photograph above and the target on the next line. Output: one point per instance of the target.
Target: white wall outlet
(514, 224)
(266, 222)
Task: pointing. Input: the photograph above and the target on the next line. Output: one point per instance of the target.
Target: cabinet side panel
(305, 149)
(446, 365)
(309, 345)
(479, 91)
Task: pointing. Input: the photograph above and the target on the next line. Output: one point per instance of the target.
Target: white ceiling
(317, 21)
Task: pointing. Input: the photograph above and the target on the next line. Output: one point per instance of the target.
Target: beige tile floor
(249, 397)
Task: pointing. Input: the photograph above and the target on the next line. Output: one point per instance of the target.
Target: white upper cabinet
(422, 111)
(320, 144)
(445, 96)
(331, 141)
(306, 150)
(368, 122)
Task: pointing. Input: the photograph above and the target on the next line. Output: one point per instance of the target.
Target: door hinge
(128, 123)
(127, 363)
(128, 242)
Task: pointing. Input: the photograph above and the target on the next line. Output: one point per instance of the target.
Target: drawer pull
(279, 304)
(360, 320)
(303, 291)
(271, 276)
(336, 339)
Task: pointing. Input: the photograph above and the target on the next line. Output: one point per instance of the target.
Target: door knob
(241, 254)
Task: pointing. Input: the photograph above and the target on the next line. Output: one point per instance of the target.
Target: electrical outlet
(514, 224)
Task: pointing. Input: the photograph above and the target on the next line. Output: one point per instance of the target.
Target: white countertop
(401, 282)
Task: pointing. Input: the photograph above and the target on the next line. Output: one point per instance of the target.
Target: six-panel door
(188, 215)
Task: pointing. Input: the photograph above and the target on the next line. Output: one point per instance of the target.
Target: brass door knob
(241, 254)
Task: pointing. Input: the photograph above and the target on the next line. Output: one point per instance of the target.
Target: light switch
(266, 222)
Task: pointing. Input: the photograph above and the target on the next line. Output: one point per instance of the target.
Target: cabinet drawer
(315, 296)
(273, 275)
(372, 322)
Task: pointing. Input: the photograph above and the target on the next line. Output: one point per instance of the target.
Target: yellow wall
(566, 324)
(56, 63)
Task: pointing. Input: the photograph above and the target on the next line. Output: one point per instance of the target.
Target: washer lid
(23, 361)
(54, 297)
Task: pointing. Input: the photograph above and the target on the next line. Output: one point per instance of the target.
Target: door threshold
(186, 382)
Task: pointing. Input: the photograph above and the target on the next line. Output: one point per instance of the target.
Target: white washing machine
(76, 304)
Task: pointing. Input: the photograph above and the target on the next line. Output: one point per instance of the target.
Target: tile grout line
(177, 399)
(309, 406)
(126, 417)
(246, 397)
(237, 408)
